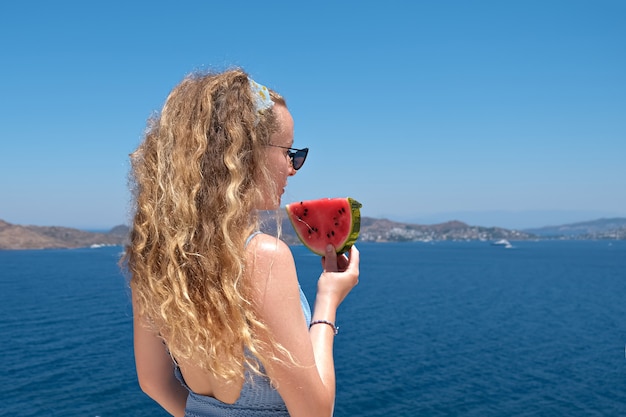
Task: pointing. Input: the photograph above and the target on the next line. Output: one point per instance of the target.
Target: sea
(432, 329)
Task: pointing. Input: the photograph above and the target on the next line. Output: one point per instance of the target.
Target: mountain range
(611, 227)
(14, 236)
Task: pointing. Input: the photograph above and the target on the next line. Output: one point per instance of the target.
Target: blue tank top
(257, 399)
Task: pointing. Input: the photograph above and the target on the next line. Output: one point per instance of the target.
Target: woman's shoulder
(262, 244)
(271, 269)
(267, 256)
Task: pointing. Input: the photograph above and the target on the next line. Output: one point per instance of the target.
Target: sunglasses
(297, 156)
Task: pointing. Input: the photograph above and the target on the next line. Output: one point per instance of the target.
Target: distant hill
(53, 237)
(383, 230)
(596, 229)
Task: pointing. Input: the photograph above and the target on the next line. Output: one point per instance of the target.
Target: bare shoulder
(270, 265)
(264, 248)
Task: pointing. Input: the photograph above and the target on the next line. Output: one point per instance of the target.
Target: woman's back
(253, 395)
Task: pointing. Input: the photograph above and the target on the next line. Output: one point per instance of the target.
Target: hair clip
(261, 97)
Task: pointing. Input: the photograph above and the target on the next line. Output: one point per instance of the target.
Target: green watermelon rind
(355, 214)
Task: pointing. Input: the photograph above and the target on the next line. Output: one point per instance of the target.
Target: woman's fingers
(329, 261)
(333, 263)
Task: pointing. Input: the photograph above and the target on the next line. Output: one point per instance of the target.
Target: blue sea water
(442, 329)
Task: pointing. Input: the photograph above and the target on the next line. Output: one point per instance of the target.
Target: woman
(221, 327)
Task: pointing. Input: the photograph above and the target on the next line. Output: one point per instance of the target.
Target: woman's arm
(155, 368)
(307, 388)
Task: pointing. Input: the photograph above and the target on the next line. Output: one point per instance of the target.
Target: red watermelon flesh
(328, 220)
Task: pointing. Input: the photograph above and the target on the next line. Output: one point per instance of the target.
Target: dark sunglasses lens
(297, 159)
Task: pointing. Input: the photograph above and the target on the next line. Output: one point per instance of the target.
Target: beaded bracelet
(335, 328)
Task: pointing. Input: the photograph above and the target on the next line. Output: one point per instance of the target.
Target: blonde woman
(221, 326)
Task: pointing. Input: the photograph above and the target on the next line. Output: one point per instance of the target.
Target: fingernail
(329, 248)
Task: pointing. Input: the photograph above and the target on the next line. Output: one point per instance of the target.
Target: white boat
(502, 242)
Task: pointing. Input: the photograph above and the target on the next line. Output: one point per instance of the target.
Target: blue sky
(497, 113)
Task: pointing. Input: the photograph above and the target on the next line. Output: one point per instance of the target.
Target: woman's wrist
(324, 310)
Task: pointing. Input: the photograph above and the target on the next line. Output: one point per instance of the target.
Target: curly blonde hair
(197, 178)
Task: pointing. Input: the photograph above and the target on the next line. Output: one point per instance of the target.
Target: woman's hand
(341, 274)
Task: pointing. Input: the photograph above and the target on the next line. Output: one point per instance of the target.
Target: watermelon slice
(328, 220)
